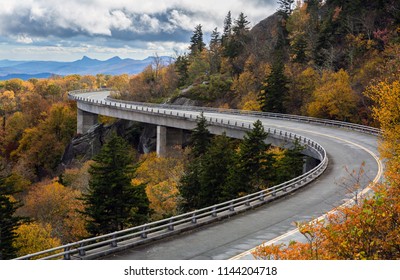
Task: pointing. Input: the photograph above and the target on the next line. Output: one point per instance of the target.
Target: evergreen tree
(182, 69)
(112, 202)
(8, 221)
(241, 25)
(200, 138)
(275, 89)
(214, 169)
(227, 27)
(196, 41)
(189, 184)
(291, 165)
(215, 52)
(234, 46)
(253, 165)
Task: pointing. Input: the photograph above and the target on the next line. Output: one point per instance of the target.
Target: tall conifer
(112, 202)
(8, 220)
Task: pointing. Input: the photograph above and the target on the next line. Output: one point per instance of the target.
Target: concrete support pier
(161, 141)
(85, 121)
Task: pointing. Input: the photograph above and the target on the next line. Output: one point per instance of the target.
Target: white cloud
(162, 25)
(24, 39)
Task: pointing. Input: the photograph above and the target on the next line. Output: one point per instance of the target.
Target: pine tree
(291, 165)
(112, 202)
(215, 52)
(189, 184)
(241, 25)
(227, 27)
(214, 169)
(275, 89)
(200, 138)
(182, 69)
(9, 222)
(196, 41)
(253, 165)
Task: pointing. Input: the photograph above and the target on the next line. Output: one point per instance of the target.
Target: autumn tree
(41, 147)
(7, 105)
(334, 98)
(386, 97)
(35, 237)
(54, 204)
(302, 84)
(161, 176)
(112, 202)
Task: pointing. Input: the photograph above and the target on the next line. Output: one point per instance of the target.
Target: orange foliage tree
(52, 203)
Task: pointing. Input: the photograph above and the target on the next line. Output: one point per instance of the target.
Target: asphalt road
(226, 239)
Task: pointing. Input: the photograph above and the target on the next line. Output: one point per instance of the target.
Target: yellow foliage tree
(161, 174)
(334, 98)
(35, 237)
(386, 110)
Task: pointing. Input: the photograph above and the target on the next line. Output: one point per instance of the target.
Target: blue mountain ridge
(86, 66)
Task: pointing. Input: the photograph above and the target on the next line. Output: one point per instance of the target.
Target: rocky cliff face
(86, 146)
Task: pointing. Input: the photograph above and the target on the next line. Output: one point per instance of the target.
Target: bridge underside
(169, 129)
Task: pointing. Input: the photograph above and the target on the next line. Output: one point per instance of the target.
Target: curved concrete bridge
(347, 146)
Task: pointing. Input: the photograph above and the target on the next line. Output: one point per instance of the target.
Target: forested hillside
(329, 59)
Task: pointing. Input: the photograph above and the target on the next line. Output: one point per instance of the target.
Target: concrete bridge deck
(229, 238)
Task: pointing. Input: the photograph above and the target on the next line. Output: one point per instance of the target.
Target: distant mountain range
(86, 66)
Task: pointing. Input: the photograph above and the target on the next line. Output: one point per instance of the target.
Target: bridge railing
(352, 126)
(117, 241)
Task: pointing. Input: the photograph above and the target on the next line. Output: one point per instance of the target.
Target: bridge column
(85, 121)
(161, 140)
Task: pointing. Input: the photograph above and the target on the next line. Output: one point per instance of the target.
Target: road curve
(229, 238)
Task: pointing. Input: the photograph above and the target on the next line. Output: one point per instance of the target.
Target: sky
(70, 29)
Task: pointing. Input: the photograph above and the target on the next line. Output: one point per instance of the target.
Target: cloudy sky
(67, 30)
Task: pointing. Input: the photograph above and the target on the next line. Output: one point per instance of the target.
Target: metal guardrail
(326, 122)
(117, 241)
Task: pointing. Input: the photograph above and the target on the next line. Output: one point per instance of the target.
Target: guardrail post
(171, 226)
(231, 208)
(247, 203)
(194, 219)
(214, 212)
(261, 197)
(67, 255)
(114, 242)
(144, 233)
(81, 251)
